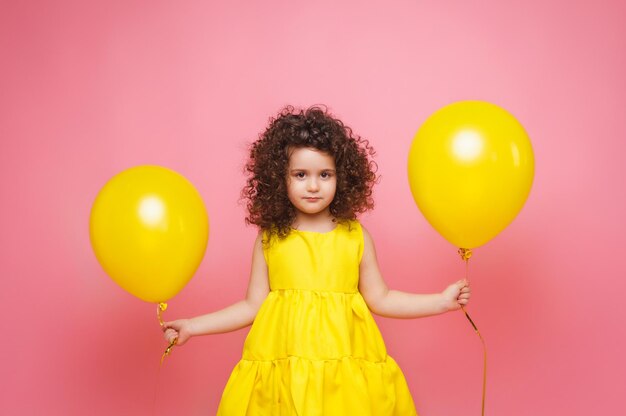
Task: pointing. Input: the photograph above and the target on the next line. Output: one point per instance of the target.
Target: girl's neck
(320, 222)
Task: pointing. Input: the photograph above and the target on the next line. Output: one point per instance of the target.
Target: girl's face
(311, 180)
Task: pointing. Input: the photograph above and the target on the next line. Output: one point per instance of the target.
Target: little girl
(314, 347)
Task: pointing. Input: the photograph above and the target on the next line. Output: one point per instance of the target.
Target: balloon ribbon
(161, 308)
(465, 254)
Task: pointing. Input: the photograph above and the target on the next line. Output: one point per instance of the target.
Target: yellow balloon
(149, 230)
(471, 167)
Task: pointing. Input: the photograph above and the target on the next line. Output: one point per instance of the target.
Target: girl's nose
(313, 185)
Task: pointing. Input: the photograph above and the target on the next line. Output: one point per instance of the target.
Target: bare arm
(396, 304)
(233, 317)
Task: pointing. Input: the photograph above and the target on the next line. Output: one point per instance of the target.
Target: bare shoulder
(366, 233)
(368, 241)
(368, 257)
(371, 283)
(258, 286)
(258, 242)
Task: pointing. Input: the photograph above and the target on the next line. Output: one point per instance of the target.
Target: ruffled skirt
(314, 353)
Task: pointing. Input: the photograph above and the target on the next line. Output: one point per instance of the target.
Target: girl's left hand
(456, 295)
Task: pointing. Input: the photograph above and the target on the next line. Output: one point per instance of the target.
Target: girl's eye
(300, 175)
(326, 175)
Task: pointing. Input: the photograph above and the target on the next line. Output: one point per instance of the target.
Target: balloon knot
(465, 253)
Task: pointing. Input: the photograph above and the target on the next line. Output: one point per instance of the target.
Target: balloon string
(168, 349)
(161, 307)
(465, 255)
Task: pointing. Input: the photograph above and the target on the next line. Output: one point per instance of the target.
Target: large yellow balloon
(471, 167)
(149, 229)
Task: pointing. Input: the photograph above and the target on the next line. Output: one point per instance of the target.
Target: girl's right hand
(179, 329)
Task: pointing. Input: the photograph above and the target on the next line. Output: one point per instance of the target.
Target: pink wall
(87, 90)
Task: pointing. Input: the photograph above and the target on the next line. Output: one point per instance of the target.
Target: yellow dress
(314, 348)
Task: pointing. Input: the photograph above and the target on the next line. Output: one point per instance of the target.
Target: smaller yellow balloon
(149, 230)
(471, 167)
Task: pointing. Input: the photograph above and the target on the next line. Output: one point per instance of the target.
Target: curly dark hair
(265, 192)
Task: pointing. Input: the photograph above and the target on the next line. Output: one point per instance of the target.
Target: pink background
(87, 90)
